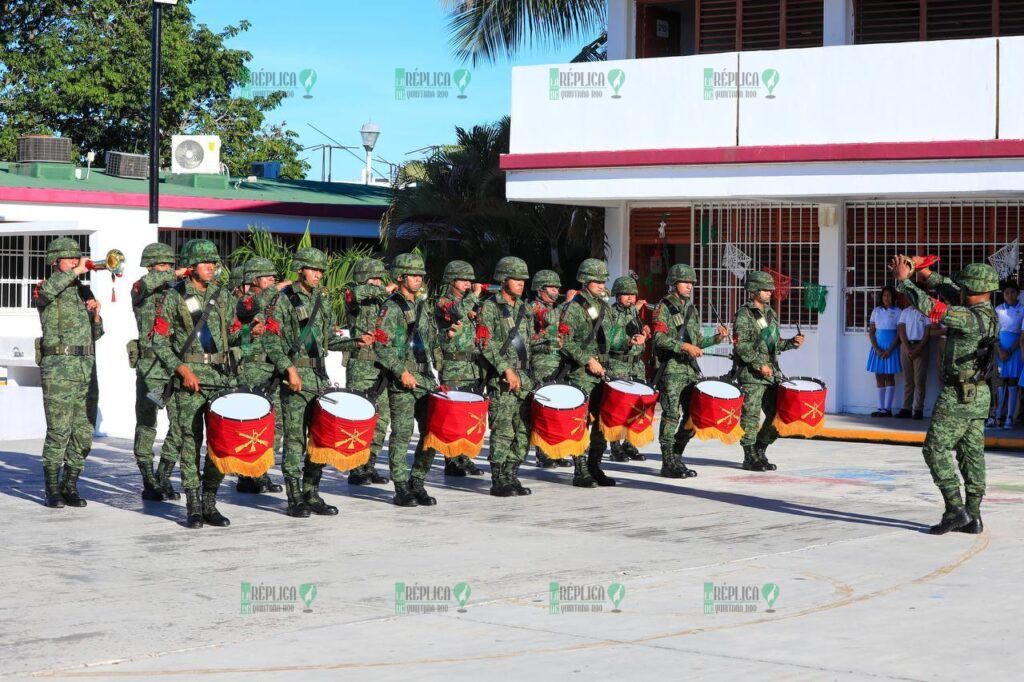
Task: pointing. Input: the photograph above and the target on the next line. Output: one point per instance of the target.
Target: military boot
(633, 453)
(751, 462)
(618, 453)
(210, 513)
(376, 477)
(69, 489)
(512, 472)
(672, 466)
(247, 484)
(452, 468)
(296, 506)
(545, 462)
(953, 519)
(974, 509)
(193, 508)
(501, 486)
(581, 474)
(267, 485)
(594, 465)
(469, 466)
(51, 479)
(163, 479)
(565, 462)
(403, 496)
(420, 493)
(311, 493)
(763, 458)
(360, 475)
(150, 486)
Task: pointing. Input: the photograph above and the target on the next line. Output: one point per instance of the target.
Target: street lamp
(369, 132)
(154, 113)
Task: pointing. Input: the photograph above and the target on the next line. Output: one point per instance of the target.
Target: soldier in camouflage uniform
(308, 332)
(363, 301)
(506, 325)
(256, 327)
(756, 368)
(151, 376)
(958, 421)
(70, 319)
(198, 352)
(545, 353)
(678, 341)
(456, 311)
(406, 337)
(626, 350)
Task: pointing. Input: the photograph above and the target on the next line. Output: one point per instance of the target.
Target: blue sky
(355, 47)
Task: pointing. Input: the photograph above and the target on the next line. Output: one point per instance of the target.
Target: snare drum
(240, 433)
(456, 423)
(800, 407)
(560, 424)
(341, 429)
(715, 410)
(627, 412)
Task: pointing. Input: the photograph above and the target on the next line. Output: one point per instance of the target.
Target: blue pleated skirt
(1011, 369)
(891, 364)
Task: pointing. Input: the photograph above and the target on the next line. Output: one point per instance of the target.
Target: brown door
(658, 31)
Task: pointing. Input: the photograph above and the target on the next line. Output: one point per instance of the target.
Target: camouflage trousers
(406, 407)
(150, 377)
(675, 404)
(70, 420)
(509, 417)
(298, 408)
(188, 413)
(363, 376)
(960, 428)
(759, 398)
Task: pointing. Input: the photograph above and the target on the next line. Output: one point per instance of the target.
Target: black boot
(311, 493)
(581, 474)
(69, 489)
(617, 453)
(954, 519)
(249, 485)
(163, 479)
(51, 479)
(210, 513)
(633, 453)
(469, 466)
(751, 462)
(378, 478)
(974, 509)
(512, 472)
(500, 484)
(545, 462)
(452, 468)
(565, 462)
(296, 506)
(763, 458)
(420, 493)
(193, 508)
(267, 485)
(672, 465)
(360, 475)
(150, 487)
(403, 496)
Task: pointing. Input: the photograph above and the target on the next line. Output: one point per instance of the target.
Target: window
(23, 265)
(959, 232)
(889, 21)
(228, 240)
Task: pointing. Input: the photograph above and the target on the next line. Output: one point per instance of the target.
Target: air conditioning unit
(44, 149)
(269, 170)
(195, 154)
(123, 165)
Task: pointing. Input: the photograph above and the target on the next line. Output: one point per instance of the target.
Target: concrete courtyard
(817, 571)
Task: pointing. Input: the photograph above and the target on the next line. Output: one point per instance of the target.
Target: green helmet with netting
(63, 247)
(623, 286)
(759, 281)
(368, 268)
(592, 270)
(681, 272)
(196, 251)
(458, 269)
(545, 278)
(978, 278)
(258, 267)
(237, 277)
(511, 267)
(310, 257)
(408, 264)
(157, 253)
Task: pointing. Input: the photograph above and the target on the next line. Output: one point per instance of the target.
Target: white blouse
(1010, 317)
(886, 318)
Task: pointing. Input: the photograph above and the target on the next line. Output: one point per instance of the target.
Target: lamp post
(369, 132)
(154, 113)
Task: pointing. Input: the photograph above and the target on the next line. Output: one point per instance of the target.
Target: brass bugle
(113, 263)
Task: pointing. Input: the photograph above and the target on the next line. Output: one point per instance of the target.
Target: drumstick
(322, 397)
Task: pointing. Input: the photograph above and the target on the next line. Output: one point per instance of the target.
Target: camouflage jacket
(459, 354)
(398, 350)
(497, 320)
(363, 302)
(544, 349)
(758, 343)
(146, 293)
(625, 359)
(575, 324)
(251, 310)
(65, 321)
(173, 325)
(668, 319)
(297, 337)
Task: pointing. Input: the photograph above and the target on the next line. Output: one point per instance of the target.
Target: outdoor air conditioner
(44, 149)
(123, 165)
(193, 154)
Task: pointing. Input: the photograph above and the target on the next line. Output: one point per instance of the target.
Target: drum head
(347, 405)
(631, 387)
(241, 406)
(718, 389)
(802, 385)
(460, 396)
(560, 396)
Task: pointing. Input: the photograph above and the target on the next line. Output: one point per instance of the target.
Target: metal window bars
(23, 265)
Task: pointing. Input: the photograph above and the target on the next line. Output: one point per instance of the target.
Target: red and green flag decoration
(815, 296)
(782, 284)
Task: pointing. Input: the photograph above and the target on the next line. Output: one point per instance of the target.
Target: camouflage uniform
(625, 361)
(758, 343)
(151, 377)
(362, 373)
(545, 355)
(305, 341)
(66, 357)
(399, 351)
(681, 371)
(460, 357)
(208, 357)
(509, 414)
(958, 420)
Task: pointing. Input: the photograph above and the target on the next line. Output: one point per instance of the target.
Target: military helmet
(368, 268)
(623, 286)
(258, 267)
(310, 257)
(759, 281)
(157, 253)
(681, 272)
(408, 264)
(237, 278)
(63, 247)
(592, 270)
(978, 278)
(511, 267)
(458, 269)
(196, 251)
(545, 278)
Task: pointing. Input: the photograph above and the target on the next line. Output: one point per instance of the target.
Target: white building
(112, 213)
(874, 134)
